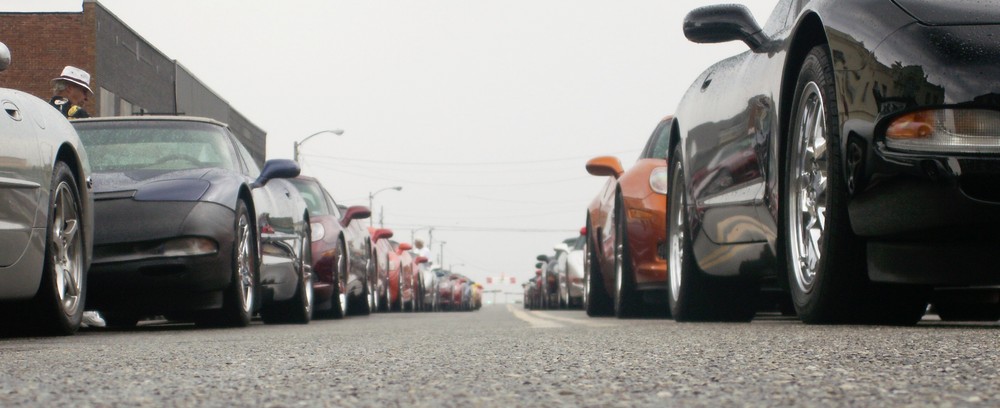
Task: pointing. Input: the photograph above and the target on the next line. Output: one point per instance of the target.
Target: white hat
(76, 76)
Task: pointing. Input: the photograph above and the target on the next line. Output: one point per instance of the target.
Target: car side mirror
(277, 168)
(721, 23)
(355, 212)
(4, 57)
(381, 233)
(605, 166)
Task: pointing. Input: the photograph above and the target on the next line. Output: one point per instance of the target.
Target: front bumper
(159, 284)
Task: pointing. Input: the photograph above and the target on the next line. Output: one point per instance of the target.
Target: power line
(501, 163)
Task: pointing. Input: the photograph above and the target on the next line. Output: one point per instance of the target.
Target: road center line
(533, 321)
(584, 322)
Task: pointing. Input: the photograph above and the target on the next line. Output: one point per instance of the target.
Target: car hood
(133, 180)
(941, 13)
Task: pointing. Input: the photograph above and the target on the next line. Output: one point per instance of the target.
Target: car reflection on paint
(850, 152)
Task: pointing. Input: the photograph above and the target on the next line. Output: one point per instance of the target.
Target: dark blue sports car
(851, 155)
(190, 228)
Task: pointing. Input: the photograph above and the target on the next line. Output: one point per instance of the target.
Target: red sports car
(381, 248)
(330, 244)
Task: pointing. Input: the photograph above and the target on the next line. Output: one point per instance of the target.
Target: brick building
(128, 75)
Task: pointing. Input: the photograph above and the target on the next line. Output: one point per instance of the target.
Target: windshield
(313, 196)
(115, 146)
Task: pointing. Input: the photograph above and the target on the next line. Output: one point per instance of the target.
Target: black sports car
(863, 144)
(189, 228)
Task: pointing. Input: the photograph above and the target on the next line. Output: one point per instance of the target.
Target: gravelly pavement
(502, 356)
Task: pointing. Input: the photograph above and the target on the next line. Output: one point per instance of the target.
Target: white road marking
(533, 321)
(539, 319)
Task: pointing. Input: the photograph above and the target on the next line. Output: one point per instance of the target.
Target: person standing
(70, 91)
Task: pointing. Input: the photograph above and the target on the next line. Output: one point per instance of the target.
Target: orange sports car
(625, 263)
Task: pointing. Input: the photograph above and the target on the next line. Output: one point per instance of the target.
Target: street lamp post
(371, 200)
(337, 132)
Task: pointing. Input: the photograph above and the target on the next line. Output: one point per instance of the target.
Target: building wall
(131, 68)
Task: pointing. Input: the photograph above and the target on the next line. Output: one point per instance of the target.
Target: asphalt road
(506, 356)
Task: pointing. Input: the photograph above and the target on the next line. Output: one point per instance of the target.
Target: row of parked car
(843, 169)
(170, 216)
(559, 277)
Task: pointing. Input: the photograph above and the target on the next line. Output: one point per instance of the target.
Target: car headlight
(318, 232)
(188, 246)
(945, 131)
(658, 180)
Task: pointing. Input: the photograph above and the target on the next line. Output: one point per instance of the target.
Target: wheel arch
(810, 32)
(68, 154)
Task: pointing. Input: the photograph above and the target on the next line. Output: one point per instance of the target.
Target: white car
(569, 269)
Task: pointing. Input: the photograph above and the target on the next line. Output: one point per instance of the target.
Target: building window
(107, 103)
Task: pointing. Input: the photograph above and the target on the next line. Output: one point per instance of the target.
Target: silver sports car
(46, 216)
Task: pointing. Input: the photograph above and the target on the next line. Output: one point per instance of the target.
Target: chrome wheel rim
(67, 254)
(243, 263)
(808, 188)
(677, 234)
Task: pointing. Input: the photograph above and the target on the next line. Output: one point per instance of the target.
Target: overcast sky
(484, 111)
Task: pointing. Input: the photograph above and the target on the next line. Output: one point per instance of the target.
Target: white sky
(484, 111)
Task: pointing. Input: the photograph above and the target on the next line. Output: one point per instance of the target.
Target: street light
(371, 199)
(337, 132)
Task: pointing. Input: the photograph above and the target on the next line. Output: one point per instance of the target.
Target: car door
(23, 175)
(730, 128)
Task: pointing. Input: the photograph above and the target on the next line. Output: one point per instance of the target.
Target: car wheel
(338, 307)
(596, 299)
(626, 302)
(57, 308)
(362, 304)
(827, 288)
(298, 309)
(240, 298)
(693, 295)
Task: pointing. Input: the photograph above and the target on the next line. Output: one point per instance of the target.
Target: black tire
(298, 309)
(57, 307)
(693, 295)
(397, 306)
(627, 302)
(338, 300)
(825, 262)
(240, 298)
(596, 299)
